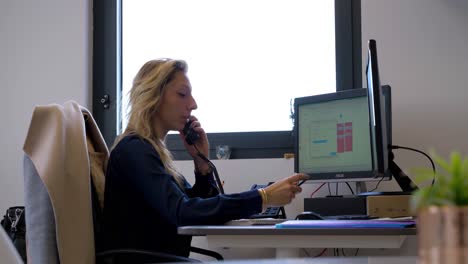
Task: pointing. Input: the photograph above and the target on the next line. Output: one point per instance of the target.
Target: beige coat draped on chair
(57, 144)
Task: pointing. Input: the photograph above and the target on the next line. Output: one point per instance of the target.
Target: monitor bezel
(350, 176)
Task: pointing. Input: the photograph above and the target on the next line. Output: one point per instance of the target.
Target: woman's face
(176, 104)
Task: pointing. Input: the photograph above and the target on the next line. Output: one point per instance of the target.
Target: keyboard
(270, 212)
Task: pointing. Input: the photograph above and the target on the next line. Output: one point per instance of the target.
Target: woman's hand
(201, 144)
(283, 191)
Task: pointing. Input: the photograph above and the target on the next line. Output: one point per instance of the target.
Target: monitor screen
(377, 113)
(333, 139)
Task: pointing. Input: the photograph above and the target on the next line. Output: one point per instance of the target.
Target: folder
(346, 224)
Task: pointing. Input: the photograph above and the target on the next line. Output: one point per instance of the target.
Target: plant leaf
(451, 183)
(422, 174)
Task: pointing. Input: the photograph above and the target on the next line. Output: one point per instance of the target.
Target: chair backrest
(57, 167)
(64, 165)
(40, 220)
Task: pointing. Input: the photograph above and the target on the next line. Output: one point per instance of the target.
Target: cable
(329, 190)
(351, 189)
(291, 108)
(357, 250)
(376, 186)
(316, 190)
(215, 171)
(321, 253)
(419, 151)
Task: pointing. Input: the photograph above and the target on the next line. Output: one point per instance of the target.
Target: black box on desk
(339, 205)
(375, 205)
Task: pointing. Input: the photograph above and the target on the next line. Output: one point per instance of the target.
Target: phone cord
(215, 171)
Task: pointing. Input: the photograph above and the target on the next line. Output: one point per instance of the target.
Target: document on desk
(346, 224)
(255, 221)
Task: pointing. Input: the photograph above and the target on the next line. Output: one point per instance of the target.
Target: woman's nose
(193, 103)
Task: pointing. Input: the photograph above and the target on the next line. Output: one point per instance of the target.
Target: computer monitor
(333, 139)
(380, 145)
(381, 139)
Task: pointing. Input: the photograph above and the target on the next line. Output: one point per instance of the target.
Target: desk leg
(287, 252)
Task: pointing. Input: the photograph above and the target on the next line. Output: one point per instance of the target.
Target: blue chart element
(321, 141)
(332, 154)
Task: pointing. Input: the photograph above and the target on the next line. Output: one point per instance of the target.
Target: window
(241, 55)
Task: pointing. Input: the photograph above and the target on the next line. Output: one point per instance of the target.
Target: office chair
(8, 251)
(64, 163)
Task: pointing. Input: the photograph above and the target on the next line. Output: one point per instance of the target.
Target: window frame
(107, 79)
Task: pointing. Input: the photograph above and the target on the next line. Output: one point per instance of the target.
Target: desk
(288, 242)
(328, 260)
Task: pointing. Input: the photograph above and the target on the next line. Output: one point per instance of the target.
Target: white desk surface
(288, 242)
(330, 260)
(271, 230)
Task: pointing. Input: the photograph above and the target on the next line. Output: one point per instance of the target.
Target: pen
(301, 182)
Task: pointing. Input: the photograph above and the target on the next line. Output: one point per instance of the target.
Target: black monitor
(347, 135)
(333, 139)
(382, 150)
(377, 113)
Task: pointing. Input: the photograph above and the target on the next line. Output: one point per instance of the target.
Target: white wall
(45, 57)
(423, 56)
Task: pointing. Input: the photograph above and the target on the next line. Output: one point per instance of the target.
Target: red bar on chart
(348, 137)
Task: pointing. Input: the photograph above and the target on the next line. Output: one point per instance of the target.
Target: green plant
(450, 187)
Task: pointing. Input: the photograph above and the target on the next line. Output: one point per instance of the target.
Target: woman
(146, 199)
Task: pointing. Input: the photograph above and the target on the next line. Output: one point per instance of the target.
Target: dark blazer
(143, 204)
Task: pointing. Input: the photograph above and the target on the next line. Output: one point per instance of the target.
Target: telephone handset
(190, 135)
(270, 212)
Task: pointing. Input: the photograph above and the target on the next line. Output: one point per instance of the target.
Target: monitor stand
(405, 183)
(361, 187)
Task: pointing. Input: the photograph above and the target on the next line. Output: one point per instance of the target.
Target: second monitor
(333, 141)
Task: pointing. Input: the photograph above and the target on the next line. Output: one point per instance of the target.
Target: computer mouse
(309, 216)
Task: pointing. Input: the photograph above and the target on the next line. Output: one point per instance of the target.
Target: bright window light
(248, 59)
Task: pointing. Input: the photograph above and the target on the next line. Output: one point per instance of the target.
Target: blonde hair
(149, 86)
